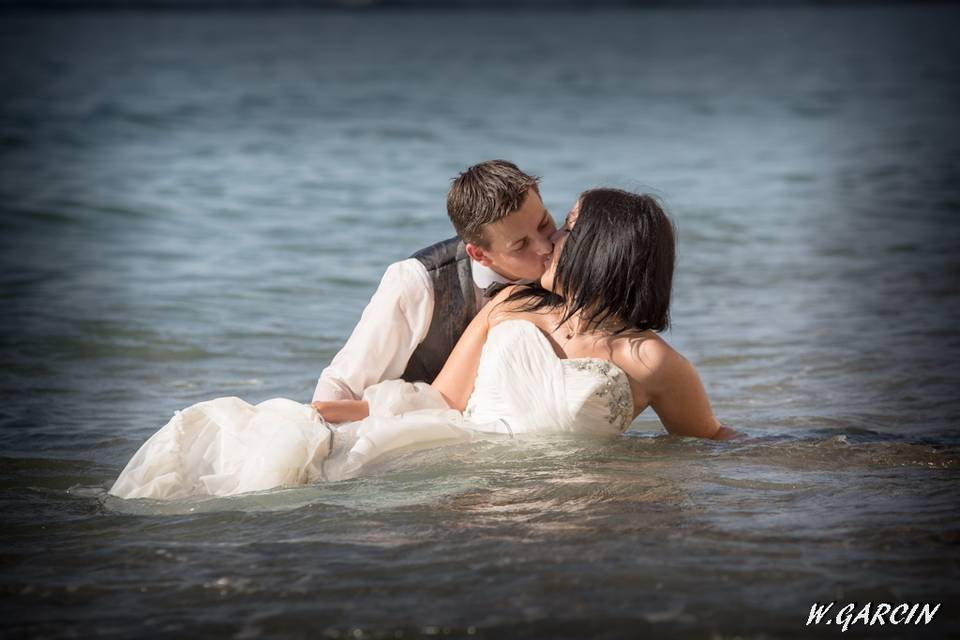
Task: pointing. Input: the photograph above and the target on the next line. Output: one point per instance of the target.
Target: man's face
(518, 245)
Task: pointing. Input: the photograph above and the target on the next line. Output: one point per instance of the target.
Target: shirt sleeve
(393, 324)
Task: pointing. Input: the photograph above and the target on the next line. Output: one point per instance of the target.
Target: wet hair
(485, 193)
(616, 264)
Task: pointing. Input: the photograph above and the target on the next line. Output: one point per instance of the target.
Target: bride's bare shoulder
(646, 355)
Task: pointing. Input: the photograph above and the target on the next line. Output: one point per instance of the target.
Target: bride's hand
(342, 410)
(726, 433)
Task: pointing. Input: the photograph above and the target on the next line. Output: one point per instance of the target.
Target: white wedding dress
(225, 446)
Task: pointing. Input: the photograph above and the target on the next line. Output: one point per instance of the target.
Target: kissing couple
(513, 327)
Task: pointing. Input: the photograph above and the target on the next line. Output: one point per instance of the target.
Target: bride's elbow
(452, 401)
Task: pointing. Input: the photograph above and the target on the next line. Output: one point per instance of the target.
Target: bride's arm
(455, 381)
(676, 393)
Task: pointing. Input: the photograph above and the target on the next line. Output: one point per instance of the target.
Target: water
(199, 204)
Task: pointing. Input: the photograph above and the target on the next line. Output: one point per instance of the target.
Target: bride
(577, 354)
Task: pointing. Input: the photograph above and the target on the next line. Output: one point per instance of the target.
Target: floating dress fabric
(227, 446)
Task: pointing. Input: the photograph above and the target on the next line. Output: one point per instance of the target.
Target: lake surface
(196, 205)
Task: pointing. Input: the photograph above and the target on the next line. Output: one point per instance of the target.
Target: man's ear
(477, 254)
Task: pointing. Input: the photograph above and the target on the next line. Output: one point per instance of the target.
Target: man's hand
(342, 410)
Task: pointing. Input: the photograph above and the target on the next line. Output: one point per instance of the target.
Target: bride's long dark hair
(616, 265)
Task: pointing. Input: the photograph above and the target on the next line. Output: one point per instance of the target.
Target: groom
(424, 303)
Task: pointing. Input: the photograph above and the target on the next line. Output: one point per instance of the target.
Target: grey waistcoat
(454, 306)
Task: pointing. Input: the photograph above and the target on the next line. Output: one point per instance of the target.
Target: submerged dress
(226, 446)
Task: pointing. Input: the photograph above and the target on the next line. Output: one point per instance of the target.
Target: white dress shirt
(393, 324)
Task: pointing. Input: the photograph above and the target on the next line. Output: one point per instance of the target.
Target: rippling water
(199, 204)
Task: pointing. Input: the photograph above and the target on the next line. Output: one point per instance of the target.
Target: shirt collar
(483, 276)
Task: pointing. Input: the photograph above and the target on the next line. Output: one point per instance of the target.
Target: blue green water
(195, 205)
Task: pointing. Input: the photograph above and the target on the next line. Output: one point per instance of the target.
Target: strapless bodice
(522, 383)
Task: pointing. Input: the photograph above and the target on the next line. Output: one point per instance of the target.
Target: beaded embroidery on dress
(226, 446)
